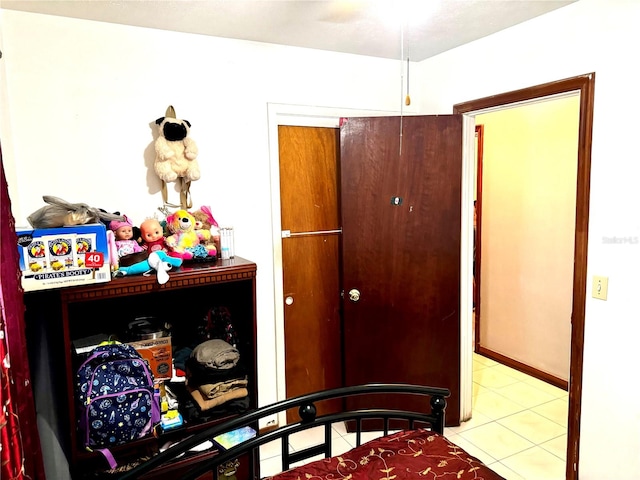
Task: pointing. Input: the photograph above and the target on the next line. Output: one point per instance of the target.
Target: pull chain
(407, 99)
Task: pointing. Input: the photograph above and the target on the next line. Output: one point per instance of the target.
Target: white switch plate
(600, 287)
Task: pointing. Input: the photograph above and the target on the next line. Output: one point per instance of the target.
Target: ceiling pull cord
(407, 99)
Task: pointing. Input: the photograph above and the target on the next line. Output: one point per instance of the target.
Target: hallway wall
(528, 217)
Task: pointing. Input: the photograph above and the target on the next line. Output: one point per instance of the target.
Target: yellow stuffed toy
(185, 241)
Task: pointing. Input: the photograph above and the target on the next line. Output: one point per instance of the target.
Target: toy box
(64, 256)
(157, 352)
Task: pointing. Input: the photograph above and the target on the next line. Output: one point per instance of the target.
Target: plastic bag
(60, 213)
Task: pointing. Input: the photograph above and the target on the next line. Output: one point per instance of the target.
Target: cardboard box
(62, 257)
(157, 352)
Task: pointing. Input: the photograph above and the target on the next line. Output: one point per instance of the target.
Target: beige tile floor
(518, 427)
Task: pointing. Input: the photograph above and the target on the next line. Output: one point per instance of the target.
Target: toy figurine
(123, 232)
(152, 235)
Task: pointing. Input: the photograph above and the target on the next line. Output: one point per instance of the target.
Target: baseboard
(521, 367)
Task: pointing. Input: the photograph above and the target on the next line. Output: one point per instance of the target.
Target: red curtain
(21, 455)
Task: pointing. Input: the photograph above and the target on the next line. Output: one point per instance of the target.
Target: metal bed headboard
(308, 418)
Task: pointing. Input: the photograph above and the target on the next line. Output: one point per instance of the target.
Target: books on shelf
(234, 437)
(86, 344)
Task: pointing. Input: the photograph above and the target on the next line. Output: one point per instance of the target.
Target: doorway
(584, 85)
(526, 230)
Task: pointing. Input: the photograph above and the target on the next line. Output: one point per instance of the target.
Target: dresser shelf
(182, 302)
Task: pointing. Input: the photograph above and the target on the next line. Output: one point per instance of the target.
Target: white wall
(80, 98)
(80, 101)
(588, 36)
(528, 228)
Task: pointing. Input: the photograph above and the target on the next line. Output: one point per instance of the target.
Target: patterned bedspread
(412, 454)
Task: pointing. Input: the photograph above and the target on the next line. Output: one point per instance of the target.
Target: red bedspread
(412, 454)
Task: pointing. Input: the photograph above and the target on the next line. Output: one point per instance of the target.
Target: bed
(412, 445)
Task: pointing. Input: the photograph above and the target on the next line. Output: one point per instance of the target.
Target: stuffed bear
(208, 225)
(185, 241)
(176, 152)
(204, 218)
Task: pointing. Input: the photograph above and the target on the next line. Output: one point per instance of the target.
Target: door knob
(289, 300)
(354, 295)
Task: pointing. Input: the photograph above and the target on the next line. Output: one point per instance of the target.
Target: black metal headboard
(308, 419)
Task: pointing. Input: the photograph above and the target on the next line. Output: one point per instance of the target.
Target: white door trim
(466, 266)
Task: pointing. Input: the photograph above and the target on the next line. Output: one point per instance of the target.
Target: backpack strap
(109, 457)
(156, 410)
(185, 194)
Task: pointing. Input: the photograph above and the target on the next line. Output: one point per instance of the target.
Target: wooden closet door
(401, 252)
(310, 261)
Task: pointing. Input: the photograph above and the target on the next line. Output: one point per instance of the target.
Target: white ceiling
(352, 26)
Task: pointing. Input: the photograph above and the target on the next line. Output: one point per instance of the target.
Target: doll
(123, 232)
(152, 235)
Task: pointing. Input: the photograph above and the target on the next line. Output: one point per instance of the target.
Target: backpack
(117, 401)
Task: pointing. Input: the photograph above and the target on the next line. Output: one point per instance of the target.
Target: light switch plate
(600, 287)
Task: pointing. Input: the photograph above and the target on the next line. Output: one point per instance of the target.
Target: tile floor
(519, 427)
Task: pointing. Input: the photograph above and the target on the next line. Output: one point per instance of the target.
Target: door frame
(585, 86)
(314, 116)
(477, 248)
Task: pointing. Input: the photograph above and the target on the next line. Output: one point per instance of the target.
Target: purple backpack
(117, 402)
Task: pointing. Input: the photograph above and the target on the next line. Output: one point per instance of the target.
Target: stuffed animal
(204, 218)
(176, 152)
(185, 242)
(158, 261)
(208, 225)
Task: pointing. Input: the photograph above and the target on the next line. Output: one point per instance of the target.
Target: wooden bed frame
(433, 419)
